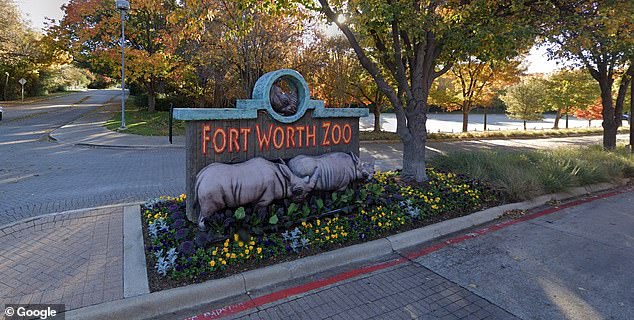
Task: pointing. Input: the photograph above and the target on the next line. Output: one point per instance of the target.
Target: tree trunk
(465, 120)
(485, 119)
(414, 148)
(377, 118)
(567, 118)
(151, 102)
(524, 124)
(589, 123)
(630, 117)
(609, 124)
(620, 100)
(557, 117)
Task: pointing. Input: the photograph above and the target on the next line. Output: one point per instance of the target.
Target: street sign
(22, 82)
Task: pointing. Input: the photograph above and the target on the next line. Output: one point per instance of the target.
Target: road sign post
(22, 82)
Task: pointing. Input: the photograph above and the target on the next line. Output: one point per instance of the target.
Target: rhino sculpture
(332, 171)
(256, 181)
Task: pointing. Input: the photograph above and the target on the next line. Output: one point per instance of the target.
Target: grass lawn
(141, 122)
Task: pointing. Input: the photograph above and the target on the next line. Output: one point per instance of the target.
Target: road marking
(18, 178)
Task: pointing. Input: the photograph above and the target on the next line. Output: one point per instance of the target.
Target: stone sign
(280, 122)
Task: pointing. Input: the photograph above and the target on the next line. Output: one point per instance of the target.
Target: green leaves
(273, 220)
(239, 214)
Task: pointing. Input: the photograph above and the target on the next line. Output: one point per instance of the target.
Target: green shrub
(527, 174)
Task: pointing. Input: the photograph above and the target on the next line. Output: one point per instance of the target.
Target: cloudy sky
(37, 10)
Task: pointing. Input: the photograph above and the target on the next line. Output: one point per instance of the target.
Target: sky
(37, 10)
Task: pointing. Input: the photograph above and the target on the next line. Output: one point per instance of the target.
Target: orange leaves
(592, 112)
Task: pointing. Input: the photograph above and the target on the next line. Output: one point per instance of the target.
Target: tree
(598, 36)
(475, 83)
(569, 89)
(333, 71)
(412, 43)
(225, 46)
(591, 112)
(91, 29)
(525, 100)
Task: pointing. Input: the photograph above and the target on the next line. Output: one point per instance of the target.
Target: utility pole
(6, 85)
(123, 6)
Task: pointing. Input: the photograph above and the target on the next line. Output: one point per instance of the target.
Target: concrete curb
(159, 303)
(163, 302)
(51, 215)
(135, 280)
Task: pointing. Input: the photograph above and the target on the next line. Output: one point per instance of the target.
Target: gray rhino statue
(256, 181)
(332, 171)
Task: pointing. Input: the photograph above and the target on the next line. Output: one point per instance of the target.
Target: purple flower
(181, 234)
(178, 215)
(201, 239)
(172, 208)
(187, 248)
(179, 223)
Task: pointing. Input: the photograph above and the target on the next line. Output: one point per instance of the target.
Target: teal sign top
(248, 109)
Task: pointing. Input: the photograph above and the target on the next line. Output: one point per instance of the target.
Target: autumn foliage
(592, 112)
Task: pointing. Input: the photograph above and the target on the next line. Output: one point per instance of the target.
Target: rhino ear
(355, 158)
(286, 172)
(313, 180)
(282, 161)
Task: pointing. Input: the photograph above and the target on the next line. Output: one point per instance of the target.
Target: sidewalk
(73, 258)
(90, 131)
(84, 258)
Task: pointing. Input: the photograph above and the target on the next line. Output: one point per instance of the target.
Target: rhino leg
(201, 223)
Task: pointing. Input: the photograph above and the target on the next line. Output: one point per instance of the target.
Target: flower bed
(244, 238)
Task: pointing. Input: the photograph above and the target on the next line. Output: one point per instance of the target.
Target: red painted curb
(282, 294)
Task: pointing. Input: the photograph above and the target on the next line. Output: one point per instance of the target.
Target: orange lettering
(206, 138)
(233, 139)
(310, 136)
(347, 133)
(326, 142)
(264, 140)
(337, 128)
(279, 145)
(245, 138)
(290, 137)
(300, 130)
(224, 140)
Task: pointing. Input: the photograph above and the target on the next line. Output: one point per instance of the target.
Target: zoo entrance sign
(280, 122)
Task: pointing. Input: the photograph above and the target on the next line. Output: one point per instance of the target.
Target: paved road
(573, 264)
(452, 122)
(38, 177)
(390, 155)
